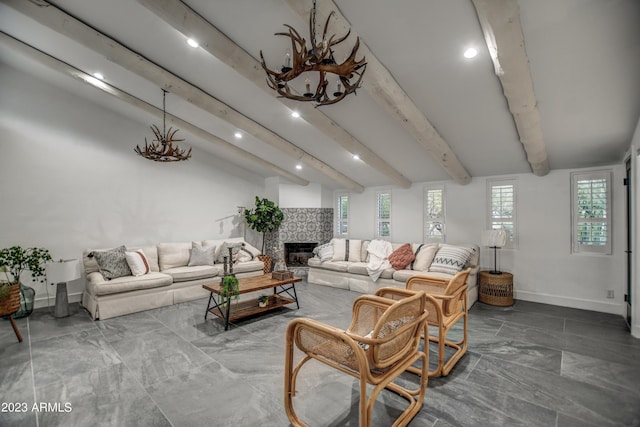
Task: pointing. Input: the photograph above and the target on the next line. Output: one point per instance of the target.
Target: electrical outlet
(609, 293)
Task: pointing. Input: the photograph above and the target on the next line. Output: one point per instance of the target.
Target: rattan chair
(381, 343)
(447, 305)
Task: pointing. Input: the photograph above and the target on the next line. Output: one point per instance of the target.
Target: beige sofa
(170, 279)
(353, 275)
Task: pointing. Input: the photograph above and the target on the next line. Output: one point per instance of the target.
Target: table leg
(15, 328)
(226, 318)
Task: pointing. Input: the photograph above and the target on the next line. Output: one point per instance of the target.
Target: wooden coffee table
(286, 294)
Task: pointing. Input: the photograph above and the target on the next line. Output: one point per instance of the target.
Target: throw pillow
(325, 253)
(424, 256)
(113, 262)
(346, 250)
(402, 257)
(137, 262)
(201, 255)
(451, 259)
(244, 255)
(224, 251)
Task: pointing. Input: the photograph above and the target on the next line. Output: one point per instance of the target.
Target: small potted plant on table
(263, 301)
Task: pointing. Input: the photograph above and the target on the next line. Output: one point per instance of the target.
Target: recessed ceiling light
(238, 135)
(298, 167)
(356, 157)
(192, 43)
(470, 53)
(98, 76)
(295, 114)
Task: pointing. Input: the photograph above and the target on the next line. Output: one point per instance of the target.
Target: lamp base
(495, 272)
(62, 301)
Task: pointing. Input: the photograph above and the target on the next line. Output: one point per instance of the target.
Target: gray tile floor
(527, 365)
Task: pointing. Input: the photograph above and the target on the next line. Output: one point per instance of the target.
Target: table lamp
(494, 239)
(61, 272)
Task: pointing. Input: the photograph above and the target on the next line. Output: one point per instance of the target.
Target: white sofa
(353, 275)
(170, 279)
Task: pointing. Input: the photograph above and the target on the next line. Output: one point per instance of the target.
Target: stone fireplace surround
(301, 225)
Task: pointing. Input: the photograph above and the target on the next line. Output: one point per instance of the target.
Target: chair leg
(15, 328)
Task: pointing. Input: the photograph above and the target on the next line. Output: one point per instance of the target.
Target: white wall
(634, 153)
(70, 180)
(544, 268)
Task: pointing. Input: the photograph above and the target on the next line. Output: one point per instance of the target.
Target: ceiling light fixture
(298, 167)
(295, 114)
(356, 157)
(470, 53)
(192, 43)
(320, 59)
(162, 148)
(98, 76)
(238, 135)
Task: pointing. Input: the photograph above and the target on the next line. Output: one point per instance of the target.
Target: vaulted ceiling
(554, 85)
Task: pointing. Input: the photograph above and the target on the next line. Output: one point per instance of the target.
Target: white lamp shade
(494, 238)
(63, 271)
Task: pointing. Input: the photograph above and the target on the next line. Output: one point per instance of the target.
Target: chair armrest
(318, 339)
(367, 309)
(395, 293)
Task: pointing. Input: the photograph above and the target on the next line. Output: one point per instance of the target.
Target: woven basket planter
(11, 303)
(266, 259)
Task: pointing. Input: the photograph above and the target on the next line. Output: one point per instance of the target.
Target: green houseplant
(13, 262)
(263, 300)
(229, 289)
(265, 217)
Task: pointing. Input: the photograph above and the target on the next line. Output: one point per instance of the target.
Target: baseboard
(584, 304)
(51, 301)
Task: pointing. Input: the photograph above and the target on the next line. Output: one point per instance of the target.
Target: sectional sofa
(349, 271)
(170, 275)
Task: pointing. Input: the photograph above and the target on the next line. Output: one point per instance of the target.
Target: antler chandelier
(320, 58)
(161, 148)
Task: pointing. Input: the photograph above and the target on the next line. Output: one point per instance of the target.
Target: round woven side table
(496, 289)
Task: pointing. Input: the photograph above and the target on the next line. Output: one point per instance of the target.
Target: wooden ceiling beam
(56, 19)
(500, 22)
(379, 82)
(64, 68)
(184, 19)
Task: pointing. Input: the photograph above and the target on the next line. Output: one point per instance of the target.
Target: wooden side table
(496, 289)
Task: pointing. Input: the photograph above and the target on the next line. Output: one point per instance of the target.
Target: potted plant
(13, 262)
(229, 289)
(265, 217)
(263, 300)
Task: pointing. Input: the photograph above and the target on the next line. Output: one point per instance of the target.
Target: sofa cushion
(357, 268)
(151, 252)
(324, 252)
(451, 259)
(185, 273)
(402, 257)
(404, 275)
(248, 266)
(201, 255)
(172, 255)
(424, 256)
(314, 262)
(137, 262)
(364, 253)
(97, 285)
(113, 262)
(335, 265)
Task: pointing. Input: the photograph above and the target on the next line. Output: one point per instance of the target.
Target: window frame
(591, 175)
(378, 218)
(426, 220)
(512, 237)
(337, 215)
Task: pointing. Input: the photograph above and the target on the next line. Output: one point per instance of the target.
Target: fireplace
(297, 254)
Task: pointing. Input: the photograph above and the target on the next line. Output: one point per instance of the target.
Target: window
(383, 214)
(502, 208)
(342, 215)
(591, 211)
(434, 213)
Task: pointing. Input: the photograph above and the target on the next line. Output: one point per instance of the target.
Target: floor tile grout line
(33, 374)
(135, 378)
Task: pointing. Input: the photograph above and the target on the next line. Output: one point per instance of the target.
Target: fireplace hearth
(298, 254)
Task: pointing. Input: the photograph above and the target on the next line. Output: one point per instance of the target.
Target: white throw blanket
(379, 251)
